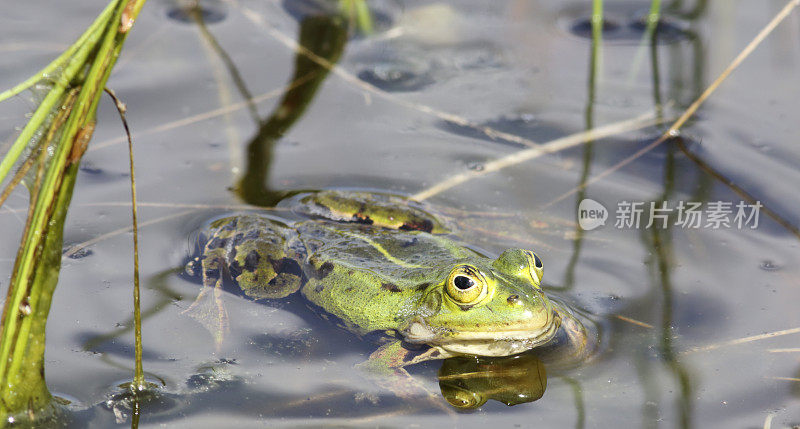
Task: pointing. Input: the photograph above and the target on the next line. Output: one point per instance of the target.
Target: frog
(386, 267)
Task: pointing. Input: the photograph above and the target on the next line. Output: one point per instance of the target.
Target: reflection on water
(468, 382)
(324, 36)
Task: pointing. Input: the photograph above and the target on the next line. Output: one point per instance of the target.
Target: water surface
(518, 67)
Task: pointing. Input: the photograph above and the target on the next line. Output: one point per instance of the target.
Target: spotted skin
(382, 265)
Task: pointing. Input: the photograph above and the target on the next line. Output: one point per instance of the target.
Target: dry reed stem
(633, 321)
(742, 340)
(78, 247)
(535, 152)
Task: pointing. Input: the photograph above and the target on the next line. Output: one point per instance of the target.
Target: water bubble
(768, 265)
(476, 166)
(396, 76)
(25, 307)
(472, 56)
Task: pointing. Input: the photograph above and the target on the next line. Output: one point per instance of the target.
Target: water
(522, 68)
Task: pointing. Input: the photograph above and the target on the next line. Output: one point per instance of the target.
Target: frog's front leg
(259, 254)
(385, 367)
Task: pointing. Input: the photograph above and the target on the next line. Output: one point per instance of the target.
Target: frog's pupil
(537, 261)
(463, 283)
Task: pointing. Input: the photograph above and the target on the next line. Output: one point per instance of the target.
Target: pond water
(698, 325)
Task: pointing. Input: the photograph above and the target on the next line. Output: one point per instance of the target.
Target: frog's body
(380, 264)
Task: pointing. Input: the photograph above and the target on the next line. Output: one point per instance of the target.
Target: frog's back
(367, 276)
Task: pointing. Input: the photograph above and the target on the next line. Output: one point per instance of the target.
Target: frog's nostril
(513, 299)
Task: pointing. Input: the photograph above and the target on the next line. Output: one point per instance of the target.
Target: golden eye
(536, 267)
(466, 285)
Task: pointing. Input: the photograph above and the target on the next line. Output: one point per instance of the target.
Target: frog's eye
(466, 285)
(536, 267)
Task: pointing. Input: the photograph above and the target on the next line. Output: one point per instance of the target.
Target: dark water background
(521, 67)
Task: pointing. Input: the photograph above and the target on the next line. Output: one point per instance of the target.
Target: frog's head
(486, 307)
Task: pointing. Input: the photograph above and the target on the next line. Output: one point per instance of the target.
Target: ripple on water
(122, 401)
(397, 76)
(523, 124)
(405, 66)
(212, 11)
(80, 254)
(384, 13)
(625, 25)
(768, 265)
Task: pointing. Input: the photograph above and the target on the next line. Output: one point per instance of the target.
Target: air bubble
(476, 166)
(768, 265)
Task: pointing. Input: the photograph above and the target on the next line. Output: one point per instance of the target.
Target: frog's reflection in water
(467, 382)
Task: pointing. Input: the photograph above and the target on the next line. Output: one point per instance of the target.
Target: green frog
(382, 264)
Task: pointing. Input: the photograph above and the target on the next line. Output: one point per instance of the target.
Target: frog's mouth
(497, 342)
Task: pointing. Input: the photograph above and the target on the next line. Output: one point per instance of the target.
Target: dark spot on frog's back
(230, 225)
(424, 225)
(323, 270)
(251, 261)
(362, 218)
(422, 286)
(287, 266)
(411, 242)
(391, 287)
(216, 243)
(235, 269)
(212, 273)
(236, 239)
